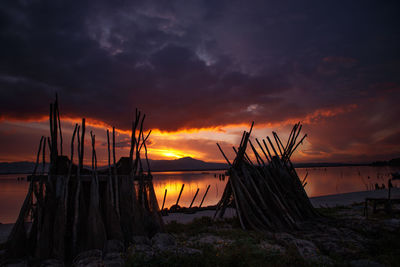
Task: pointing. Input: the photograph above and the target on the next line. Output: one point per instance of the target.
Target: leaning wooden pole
(205, 194)
(180, 193)
(195, 195)
(165, 195)
(115, 175)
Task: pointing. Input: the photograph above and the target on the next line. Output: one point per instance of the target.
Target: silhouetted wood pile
(267, 195)
(75, 209)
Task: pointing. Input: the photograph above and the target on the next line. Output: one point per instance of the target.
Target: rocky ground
(341, 237)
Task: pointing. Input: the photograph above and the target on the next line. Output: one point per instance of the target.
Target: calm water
(320, 181)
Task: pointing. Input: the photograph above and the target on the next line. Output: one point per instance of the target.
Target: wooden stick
(77, 194)
(290, 137)
(262, 149)
(304, 179)
(115, 175)
(59, 127)
(280, 142)
(54, 146)
(256, 153)
(51, 127)
(69, 171)
(82, 144)
(277, 143)
(266, 147)
(145, 154)
(201, 203)
(195, 195)
(132, 141)
(110, 183)
(223, 154)
(38, 155)
(238, 212)
(165, 195)
(273, 148)
(180, 193)
(251, 127)
(300, 142)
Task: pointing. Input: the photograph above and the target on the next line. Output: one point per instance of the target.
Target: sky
(202, 71)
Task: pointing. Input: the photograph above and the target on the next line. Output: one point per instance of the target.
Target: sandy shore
(351, 198)
(322, 201)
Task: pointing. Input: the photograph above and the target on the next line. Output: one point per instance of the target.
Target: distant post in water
(195, 195)
(180, 193)
(201, 203)
(165, 195)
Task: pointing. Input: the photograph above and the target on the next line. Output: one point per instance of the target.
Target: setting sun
(168, 153)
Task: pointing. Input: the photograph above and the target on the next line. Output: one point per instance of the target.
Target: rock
(113, 259)
(272, 248)
(145, 250)
(208, 239)
(113, 246)
(322, 260)
(187, 251)
(52, 262)
(141, 240)
(89, 258)
(306, 248)
(391, 224)
(365, 263)
(15, 263)
(163, 241)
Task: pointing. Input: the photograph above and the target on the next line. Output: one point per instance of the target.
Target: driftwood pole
(77, 194)
(110, 183)
(180, 193)
(115, 175)
(69, 170)
(82, 144)
(195, 195)
(165, 195)
(201, 203)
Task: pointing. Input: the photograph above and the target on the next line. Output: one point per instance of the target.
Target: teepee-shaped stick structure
(73, 209)
(267, 195)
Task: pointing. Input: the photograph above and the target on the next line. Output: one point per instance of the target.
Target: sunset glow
(202, 74)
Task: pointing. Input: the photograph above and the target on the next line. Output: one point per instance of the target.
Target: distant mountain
(19, 167)
(185, 164)
(182, 164)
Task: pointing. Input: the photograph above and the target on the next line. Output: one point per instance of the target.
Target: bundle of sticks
(75, 208)
(267, 195)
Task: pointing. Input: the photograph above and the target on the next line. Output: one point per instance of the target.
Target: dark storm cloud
(196, 63)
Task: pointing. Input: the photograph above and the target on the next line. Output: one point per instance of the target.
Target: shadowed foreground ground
(342, 237)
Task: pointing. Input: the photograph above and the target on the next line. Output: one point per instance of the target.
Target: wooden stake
(165, 195)
(115, 175)
(180, 193)
(201, 203)
(223, 154)
(38, 155)
(110, 183)
(195, 195)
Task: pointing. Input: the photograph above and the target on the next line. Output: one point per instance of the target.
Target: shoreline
(330, 201)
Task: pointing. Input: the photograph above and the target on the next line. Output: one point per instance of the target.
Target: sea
(321, 181)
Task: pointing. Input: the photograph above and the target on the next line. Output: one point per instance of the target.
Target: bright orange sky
(20, 139)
